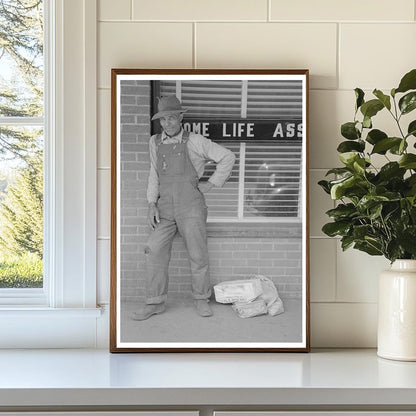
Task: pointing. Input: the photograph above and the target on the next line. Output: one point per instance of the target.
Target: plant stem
(397, 118)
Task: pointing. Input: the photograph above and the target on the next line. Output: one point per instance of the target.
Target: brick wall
(230, 257)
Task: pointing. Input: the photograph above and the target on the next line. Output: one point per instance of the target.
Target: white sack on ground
(251, 297)
(250, 309)
(238, 290)
(270, 296)
(276, 308)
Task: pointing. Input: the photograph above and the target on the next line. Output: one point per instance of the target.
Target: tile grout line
(194, 62)
(338, 66)
(306, 22)
(352, 302)
(269, 11)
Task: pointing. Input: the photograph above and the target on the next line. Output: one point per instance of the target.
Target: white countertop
(96, 377)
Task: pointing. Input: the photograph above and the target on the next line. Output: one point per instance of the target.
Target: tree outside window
(21, 143)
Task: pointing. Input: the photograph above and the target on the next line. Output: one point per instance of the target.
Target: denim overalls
(182, 208)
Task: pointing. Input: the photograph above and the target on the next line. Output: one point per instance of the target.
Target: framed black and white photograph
(209, 210)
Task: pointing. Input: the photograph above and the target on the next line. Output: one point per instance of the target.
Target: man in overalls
(176, 203)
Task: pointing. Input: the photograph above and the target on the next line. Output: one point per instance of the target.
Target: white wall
(345, 44)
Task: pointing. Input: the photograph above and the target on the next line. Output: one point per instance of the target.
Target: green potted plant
(376, 206)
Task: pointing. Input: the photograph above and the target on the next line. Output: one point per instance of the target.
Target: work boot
(202, 307)
(147, 311)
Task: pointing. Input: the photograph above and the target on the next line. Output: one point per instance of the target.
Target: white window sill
(40, 327)
(36, 312)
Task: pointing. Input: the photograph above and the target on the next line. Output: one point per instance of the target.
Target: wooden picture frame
(258, 222)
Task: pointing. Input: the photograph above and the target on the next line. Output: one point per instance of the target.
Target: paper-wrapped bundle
(237, 291)
(250, 309)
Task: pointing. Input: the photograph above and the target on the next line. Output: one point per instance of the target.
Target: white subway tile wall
(343, 325)
(342, 10)
(270, 45)
(179, 10)
(104, 128)
(142, 45)
(357, 275)
(114, 10)
(345, 44)
(323, 269)
(367, 53)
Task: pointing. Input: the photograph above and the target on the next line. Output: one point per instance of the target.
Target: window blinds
(265, 181)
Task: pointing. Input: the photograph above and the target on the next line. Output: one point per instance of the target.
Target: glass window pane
(21, 58)
(272, 179)
(21, 207)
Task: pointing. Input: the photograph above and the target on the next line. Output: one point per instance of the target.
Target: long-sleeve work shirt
(200, 149)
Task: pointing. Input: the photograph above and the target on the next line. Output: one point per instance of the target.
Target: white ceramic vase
(397, 312)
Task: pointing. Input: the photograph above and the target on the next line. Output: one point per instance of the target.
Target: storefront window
(261, 122)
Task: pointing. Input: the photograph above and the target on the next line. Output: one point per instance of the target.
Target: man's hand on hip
(205, 187)
(153, 217)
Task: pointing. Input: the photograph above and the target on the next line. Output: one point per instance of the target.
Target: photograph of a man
(176, 201)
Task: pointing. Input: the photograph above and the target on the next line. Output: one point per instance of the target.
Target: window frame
(37, 296)
(69, 317)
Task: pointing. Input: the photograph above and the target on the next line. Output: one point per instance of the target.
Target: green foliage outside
(376, 211)
(25, 271)
(21, 147)
(21, 214)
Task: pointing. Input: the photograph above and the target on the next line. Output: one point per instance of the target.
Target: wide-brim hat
(168, 104)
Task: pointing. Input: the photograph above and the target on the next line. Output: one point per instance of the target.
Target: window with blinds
(265, 184)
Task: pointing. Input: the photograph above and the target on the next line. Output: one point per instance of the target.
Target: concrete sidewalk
(180, 323)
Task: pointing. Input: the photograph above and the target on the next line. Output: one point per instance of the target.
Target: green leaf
(349, 146)
(336, 228)
(368, 248)
(411, 182)
(349, 131)
(391, 170)
(338, 171)
(369, 201)
(408, 240)
(374, 242)
(393, 250)
(408, 161)
(359, 165)
(342, 211)
(408, 82)
(359, 94)
(399, 148)
(375, 135)
(338, 189)
(348, 158)
(325, 186)
(411, 130)
(361, 231)
(408, 102)
(367, 122)
(383, 145)
(346, 242)
(385, 99)
(371, 108)
(375, 211)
